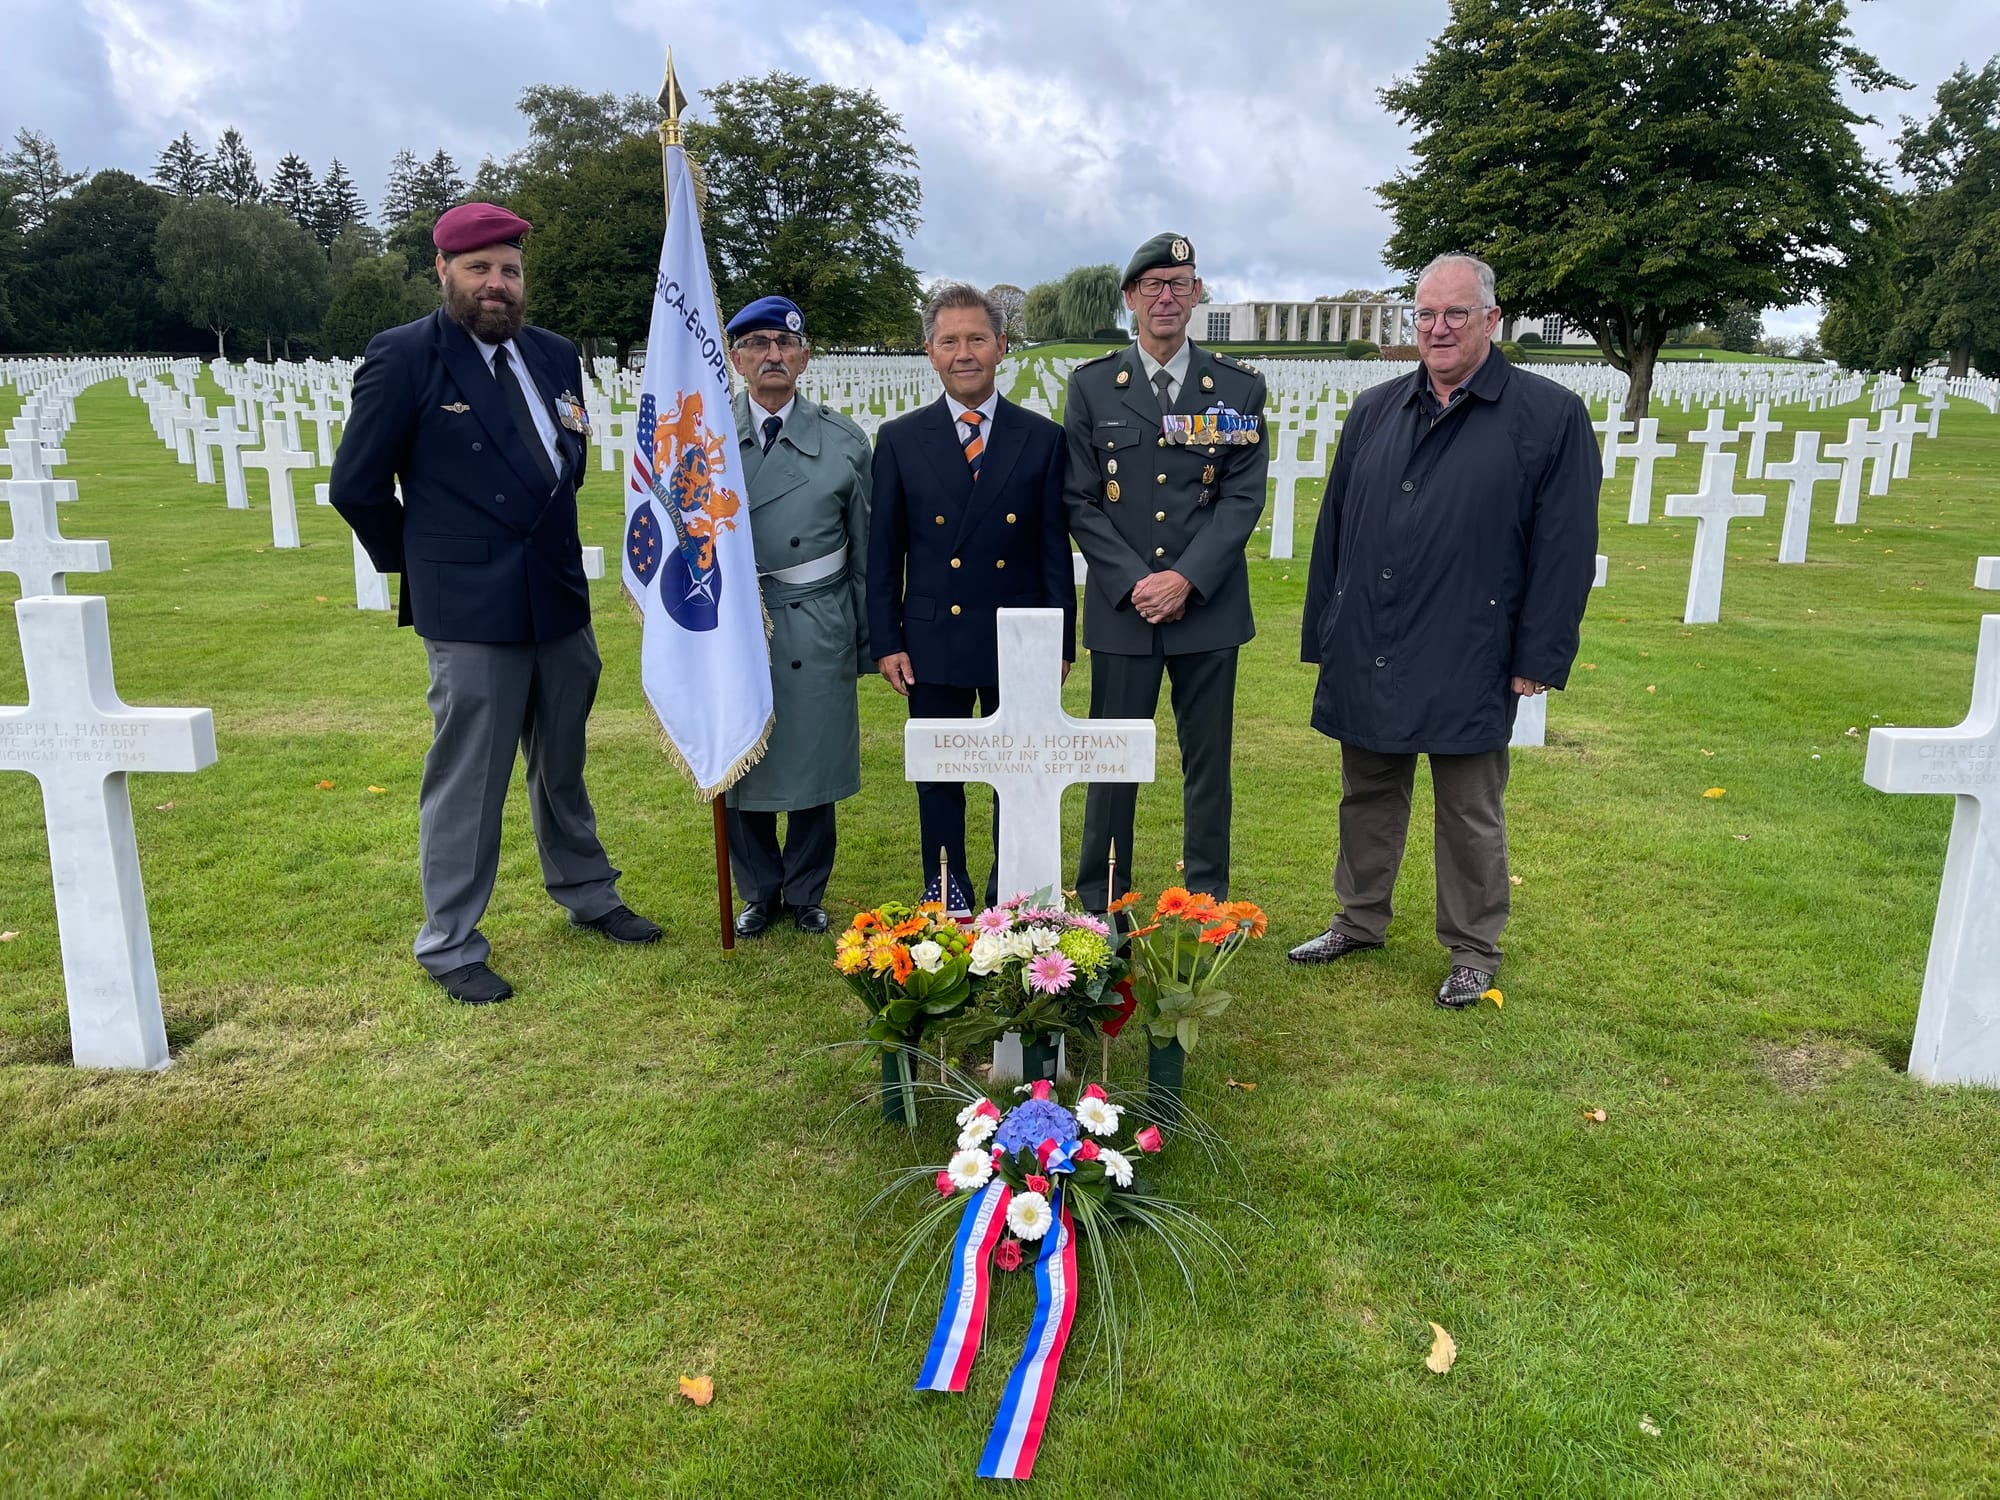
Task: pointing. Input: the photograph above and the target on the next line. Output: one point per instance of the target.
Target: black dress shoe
(810, 919)
(1328, 946)
(757, 916)
(474, 984)
(623, 925)
(1463, 986)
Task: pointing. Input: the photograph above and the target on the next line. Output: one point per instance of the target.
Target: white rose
(988, 953)
(1019, 945)
(927, 956)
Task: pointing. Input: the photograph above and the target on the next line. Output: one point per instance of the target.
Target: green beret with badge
(1167, 251)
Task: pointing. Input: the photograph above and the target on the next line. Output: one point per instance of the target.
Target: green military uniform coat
(1191, 509)
(808, 497)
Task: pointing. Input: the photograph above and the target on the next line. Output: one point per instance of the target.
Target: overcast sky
(1049, 132)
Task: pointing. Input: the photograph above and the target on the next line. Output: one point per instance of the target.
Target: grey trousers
(795, 871)
(485, 700)
(1204, 698)
(1473, 896)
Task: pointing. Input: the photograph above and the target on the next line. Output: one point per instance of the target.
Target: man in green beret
(1167, 466)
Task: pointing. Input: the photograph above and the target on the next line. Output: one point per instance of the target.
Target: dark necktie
(516, 402)
(772, 427)
(976, 443)
(1161, 383)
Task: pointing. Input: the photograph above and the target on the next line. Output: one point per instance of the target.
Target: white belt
(810, 572)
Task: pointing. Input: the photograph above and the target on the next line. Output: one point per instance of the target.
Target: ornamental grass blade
(1444, 1351)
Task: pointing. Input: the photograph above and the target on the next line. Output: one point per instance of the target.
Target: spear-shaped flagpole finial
(672, 101)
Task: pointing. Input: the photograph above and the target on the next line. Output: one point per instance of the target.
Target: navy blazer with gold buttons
(487, 551)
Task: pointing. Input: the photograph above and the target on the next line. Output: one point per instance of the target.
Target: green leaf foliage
(1639, 165)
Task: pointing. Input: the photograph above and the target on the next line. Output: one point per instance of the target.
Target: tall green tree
(182, 168)
(294, 189)
(210, 255)
(336, 205)
(811, 188)
(1954, 220)
(376, 294)
(1637, 165)
(592, 259)
(232, 173)
(1041, 312)
(290, 280)
(86, 283)
(565, 125)
(1008, 298)
(1742, 326)
(399, 193)
(35, 168)
(439, 184)
(1091, 301)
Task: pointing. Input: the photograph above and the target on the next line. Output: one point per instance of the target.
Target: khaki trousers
(1471, 837)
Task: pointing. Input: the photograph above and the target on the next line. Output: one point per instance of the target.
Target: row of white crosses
(80, 741)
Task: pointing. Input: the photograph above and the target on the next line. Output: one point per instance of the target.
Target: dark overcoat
(946, 553)
(1450, 559)
(487, 551)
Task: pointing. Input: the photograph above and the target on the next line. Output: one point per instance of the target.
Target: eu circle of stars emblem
(642, 544)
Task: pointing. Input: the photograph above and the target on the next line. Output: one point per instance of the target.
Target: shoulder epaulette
(1100, 359)
(1236, 364)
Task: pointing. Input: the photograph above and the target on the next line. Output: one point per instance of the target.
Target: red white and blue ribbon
(1024, 1407)
(962, 1320)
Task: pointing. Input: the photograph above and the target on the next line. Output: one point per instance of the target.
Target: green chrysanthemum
(1089, 952)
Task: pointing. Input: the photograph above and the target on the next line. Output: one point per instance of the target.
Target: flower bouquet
(1178, 961)
(912, 967)
(1032, 1183)
(1039, 969)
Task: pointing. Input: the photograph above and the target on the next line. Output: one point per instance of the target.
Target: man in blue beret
(806, 470)
(479, 415)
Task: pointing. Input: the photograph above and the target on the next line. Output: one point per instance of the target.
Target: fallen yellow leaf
(1248, 1088)
(1713, 792)
(1495, 996)
(1652, 687)
(1648, 1426)
(319, 598)
(1513, 880)
(699, 1389)
(163, 807)
(378, 790)
(8, 937)
(1709, 753)
(1596, 1115)
(1444, 1352)
(325, 786)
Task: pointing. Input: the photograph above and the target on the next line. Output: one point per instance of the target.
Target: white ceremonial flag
(703, 660)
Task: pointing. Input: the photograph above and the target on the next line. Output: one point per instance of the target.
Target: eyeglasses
(764, 343)
(1454, 317)
(1181, 286)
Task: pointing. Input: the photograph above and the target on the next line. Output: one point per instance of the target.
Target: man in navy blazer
(967, 518)
(480, 417)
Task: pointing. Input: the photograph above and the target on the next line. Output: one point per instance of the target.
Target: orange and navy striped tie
(976, 443)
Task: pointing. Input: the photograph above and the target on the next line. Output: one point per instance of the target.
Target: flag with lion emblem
(688, 563)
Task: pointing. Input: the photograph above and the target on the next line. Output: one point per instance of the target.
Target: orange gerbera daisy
(909, 927)
(1221, 933)
(1247, 914)
(903, 966)
(1123, 903)
(1173, 902)
(864, 921)
(931, 909)
(1153, 927)
(1202, 908)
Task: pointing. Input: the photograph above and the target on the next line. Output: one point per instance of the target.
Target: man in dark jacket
(480, 417)
(965, 519)
(1454, 556)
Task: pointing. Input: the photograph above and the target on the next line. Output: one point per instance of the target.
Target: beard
(490, 325)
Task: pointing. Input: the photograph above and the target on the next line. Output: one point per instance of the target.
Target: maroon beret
(471, 226)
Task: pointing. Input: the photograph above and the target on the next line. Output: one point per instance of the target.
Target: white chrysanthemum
(1028, 1216)
(1098, 1116)
(978, 1130)
(927, 956)
(1116, 1166)
(988, 953)
(1018, 945)
(969, 1170)
(1044, 939)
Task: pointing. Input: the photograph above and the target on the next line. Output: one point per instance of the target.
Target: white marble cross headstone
(37, 553)
(1759, 427)
(1287, 469)
(1958, 1020)
(30, 463)
(1531, 715)
(1986, 573)
(1614, 426)
(1645, 451)
(1713, 507)
(1714, 437)
(277, 461)
(80, 741)
(232, 440)
(1029, 751)
(1852, 454)
(1805, 470)
(1938, 405)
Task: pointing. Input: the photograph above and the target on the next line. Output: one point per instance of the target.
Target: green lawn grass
(361, 1241)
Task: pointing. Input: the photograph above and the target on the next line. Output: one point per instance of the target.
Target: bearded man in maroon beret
(480, 417)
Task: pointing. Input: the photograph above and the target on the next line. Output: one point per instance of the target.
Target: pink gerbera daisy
(1051, 973)
(993, 921)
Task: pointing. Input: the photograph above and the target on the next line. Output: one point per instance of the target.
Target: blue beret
(769, 312)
